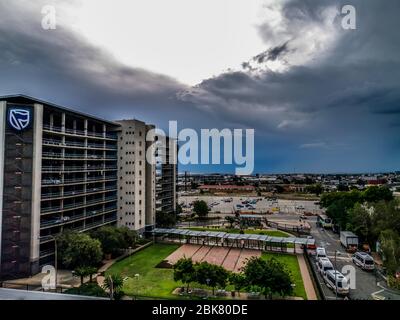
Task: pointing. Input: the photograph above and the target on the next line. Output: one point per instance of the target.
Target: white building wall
(132, 174)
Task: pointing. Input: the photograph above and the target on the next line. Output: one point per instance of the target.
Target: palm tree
(114, 284)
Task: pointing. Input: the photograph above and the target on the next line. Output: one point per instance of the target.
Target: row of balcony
(59, 182)
(71, 156)
(52, 195)
(78, 228)
(59, 143)
(76, 132)
(66, 220)
(77, 168)
(77, 205)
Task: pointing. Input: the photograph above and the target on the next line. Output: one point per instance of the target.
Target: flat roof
(14, 294)
(234, 236)
(22, 98)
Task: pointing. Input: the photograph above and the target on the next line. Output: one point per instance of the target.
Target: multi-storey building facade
(166, 176)
(136, 193)
(64, 170)
(59, 172)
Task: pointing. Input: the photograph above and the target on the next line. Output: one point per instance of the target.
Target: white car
(320, 253)
(323, 265)
(363, 260)
(342, 284)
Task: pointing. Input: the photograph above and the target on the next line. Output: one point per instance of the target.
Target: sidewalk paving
(307, 281)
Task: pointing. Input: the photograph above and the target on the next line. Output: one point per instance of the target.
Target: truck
(349, 241)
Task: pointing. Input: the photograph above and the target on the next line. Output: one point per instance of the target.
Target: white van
(320, 253)
(324, 265)
(342, 284)
(363, 260)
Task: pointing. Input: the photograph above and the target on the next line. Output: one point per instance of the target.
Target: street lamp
(336, 291)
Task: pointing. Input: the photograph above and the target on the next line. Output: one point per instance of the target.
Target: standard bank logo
(19, 118)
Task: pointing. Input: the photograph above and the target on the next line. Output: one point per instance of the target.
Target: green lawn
(292, 265)
(272, 233)
(158, 283)
(152, 282)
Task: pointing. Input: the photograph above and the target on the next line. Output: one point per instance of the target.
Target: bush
(394, 282)
(88, 289)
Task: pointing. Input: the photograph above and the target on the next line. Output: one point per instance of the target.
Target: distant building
(227, 188)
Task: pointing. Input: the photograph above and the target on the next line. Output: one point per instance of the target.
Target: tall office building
(58, 172)
(64, 170)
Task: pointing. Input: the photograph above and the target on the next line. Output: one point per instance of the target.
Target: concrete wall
(36, 186)
(2, 140)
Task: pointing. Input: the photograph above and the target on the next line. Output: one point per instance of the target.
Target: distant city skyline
(320, 98)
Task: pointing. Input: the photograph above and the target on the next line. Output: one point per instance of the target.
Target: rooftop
(21, 98)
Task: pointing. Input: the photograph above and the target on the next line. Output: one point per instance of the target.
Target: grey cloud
(346, 95)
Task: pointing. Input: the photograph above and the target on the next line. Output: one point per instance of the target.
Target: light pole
(55, 260)
(336, 293)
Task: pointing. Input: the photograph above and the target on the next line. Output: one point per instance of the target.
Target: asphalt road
(366, 282)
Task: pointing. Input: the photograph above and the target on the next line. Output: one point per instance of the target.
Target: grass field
(292, 265)
(272, 233)
(159, 283)
(152, 282)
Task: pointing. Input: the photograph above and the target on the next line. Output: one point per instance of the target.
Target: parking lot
(218, 205)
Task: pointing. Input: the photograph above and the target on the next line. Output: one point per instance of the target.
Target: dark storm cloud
(337, 110)
(61, 67)
(271, 54)
(348, 95)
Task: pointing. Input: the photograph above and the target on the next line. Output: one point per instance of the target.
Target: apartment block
(136, 192)
(166, 175)
(65, 170)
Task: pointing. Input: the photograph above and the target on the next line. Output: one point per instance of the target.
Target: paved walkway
(307, 281)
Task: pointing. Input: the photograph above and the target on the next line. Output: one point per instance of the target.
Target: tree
(238, 281)
(390, 246)
(375, 194)
(270, 276)
(211, 275)
(231, 221)
(184, 271)
(78, 250)
(130, 237)
(114, 284)
(111, 239)
(200, 208)
(360, 222)
(165, 220)
(315, 189)
(83, 272)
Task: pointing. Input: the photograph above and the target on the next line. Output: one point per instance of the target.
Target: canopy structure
(254, 241)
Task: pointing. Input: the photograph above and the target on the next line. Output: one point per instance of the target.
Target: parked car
(323, 265)
(320, 253)
(342, 284)
(363, 260)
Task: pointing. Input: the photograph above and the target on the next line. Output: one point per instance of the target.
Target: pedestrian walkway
(307, 281)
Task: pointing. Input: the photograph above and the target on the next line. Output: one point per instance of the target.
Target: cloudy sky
(320, 98)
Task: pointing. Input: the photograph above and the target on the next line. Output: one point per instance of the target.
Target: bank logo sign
(19, 118)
